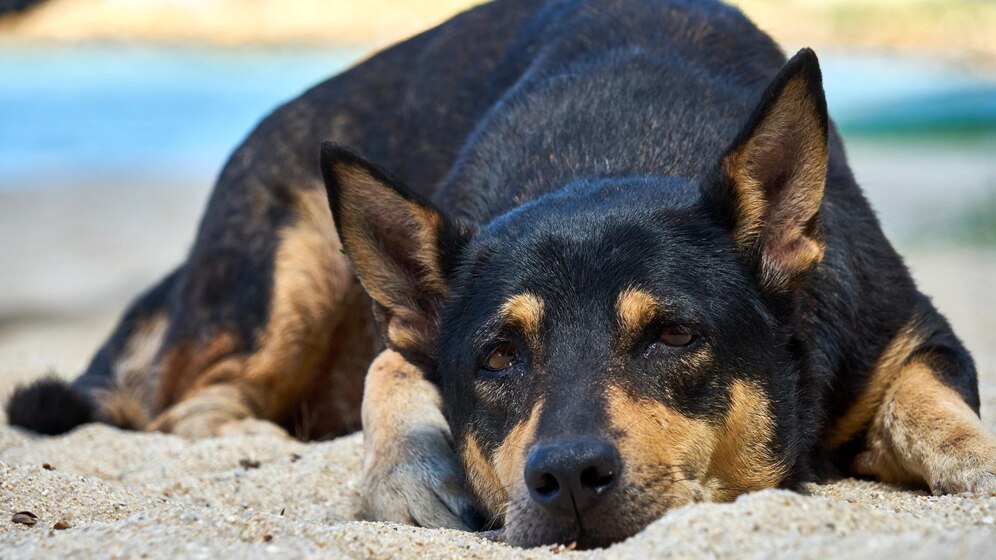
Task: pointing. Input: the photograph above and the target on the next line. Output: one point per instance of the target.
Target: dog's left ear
(402, 248)
(773, 177)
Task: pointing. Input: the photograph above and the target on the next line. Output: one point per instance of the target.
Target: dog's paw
(417, 479)
(213, 411)
(969, 466)
(208, 425)
(253, 427)
(976, 481)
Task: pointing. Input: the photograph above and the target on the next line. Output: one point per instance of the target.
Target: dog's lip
(588, 540)
(585, 540)
(572, 537)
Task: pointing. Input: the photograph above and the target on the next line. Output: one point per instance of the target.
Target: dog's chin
(551, 533)
(528, 525)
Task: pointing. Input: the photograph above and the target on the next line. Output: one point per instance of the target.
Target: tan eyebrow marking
(636, 309)
(526, 311)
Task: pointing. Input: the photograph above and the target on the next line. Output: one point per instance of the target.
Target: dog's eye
(677, 336)
(502, 357)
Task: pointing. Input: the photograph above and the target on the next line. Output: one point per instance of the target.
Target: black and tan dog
(620, 265)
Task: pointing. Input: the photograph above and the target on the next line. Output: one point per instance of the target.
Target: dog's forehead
(592, 201)
(612, 225)
(594, 239)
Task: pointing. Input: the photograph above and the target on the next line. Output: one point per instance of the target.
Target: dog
(610, 260)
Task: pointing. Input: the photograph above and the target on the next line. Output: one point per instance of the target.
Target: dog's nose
(569, 477)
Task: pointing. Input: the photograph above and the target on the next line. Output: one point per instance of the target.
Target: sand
(158, 496)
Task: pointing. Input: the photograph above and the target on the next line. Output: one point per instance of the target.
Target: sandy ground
(71, 258)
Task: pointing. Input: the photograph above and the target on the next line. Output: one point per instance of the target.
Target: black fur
(49, 406)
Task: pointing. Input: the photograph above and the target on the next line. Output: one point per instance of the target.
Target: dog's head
(620, 347)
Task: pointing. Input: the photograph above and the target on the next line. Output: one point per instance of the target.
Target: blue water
(68, 114)
(133, 111)
(882, 94)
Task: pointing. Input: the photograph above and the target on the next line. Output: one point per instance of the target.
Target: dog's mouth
(559, 535)
(585, 540)
(577, 540)
(529, 526)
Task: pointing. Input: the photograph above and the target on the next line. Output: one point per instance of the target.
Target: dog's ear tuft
(774, 174)
(399, 246)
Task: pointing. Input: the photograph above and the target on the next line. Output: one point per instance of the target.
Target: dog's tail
(49, 406)
(114, 389)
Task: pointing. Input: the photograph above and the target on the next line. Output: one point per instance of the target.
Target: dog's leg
(411, 473)
(210, 384)
(924, 432)
(918, 428)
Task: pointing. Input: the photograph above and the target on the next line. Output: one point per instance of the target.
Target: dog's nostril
(595, 479)
(548, 485)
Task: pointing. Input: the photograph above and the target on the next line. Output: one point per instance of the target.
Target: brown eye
(502, 357)
(677, 336)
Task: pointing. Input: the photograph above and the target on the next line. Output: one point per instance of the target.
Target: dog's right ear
(401, 248)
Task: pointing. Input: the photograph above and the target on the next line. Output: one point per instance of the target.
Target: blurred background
(115, 116)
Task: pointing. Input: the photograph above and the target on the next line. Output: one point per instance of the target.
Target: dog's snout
(569, 477)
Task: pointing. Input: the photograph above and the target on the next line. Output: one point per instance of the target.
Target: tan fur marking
(403, 335)
(122, 409)
(131, 371)
(923, 432)
(182, 364)
(310, 283)
(918, 430)
(743, 461)
(691, 458)
(206, 412)
(331, 404)
(886, 371)
(482, 476)
(660, 446)
(510, 457)
(636, 309)
(525, 311)
(311, 291)
(132, 397)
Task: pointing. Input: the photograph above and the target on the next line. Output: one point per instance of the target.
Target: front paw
(417, 479)
(967, 467)
(976, 481)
